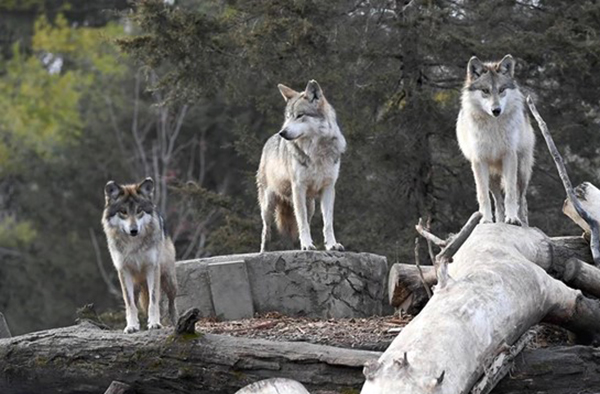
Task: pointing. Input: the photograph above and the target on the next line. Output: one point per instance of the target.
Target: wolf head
(307, 113)
(129, 208)
(491, 86)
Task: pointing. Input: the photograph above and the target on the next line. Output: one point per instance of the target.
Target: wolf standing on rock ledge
(298, 165)
(494, 133)
(142, 252)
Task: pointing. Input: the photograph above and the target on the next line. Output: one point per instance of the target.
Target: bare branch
(564, 177)
(427, 289)
(445, 256)
(111, 287)
(429, 236)
(503, 363)
(429, 243)
(460, 238)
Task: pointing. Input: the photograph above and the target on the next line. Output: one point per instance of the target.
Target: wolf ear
(507, 66)
(313, 91)
(112, 190)
(474, 68)
(146, 188)
(287, 93)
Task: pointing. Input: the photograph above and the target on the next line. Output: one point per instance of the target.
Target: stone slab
(295, 283)
(230, 290)
(193, 287)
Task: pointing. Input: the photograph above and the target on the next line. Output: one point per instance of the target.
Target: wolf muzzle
(284, 134)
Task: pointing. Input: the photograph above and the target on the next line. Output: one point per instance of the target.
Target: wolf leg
(131, 312)
(525, 166)
(153, 281)
(267, 206)
(481, 172)
(327, 204)
(310, 205)
(168, 283)
(300, 211)
(496, 189)
(509, 177)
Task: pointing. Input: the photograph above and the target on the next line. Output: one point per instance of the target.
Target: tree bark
(86, 359)
(498, 288)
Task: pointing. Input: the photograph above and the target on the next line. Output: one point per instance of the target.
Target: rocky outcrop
(294, 283)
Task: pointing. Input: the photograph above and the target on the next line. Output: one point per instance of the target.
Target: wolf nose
(496, 111)
(283, 134)
(133, 232)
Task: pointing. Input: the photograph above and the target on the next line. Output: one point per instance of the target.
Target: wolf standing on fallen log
(298, 165)
(495, 135)
(142, 252)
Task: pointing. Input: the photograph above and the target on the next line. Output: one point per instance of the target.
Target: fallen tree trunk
(86, 359)
(496, 290)
(557, 370)
(566, 258)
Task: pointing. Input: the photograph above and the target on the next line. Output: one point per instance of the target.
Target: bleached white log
(274, 386)
(499, 291)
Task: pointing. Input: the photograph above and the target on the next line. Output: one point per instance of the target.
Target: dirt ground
(374, 333)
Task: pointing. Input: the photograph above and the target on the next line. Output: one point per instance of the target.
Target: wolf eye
(123, 212)
(502, 89)
(299, 116)
(139, 210)
(485, 91)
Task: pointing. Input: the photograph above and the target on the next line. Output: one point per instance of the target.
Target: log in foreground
(86, 359)
(499, 291)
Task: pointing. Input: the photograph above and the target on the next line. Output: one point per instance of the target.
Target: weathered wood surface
(557, 370)
(568, 259)
(85, 359)
(498, 288)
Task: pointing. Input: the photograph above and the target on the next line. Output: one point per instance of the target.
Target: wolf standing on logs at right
(298, 165)
(494, 133)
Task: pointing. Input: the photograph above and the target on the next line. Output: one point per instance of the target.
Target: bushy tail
(285, 219)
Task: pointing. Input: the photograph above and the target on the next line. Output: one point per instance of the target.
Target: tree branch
(564, 177)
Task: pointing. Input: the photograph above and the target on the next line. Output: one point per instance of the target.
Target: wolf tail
(285, 219)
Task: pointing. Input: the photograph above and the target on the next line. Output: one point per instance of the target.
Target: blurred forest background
(185, 91)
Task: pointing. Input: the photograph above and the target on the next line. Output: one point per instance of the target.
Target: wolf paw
(131, 329)
(308, 247)
(155, 326)
(337, 246)
(513, 221)
(485, 220)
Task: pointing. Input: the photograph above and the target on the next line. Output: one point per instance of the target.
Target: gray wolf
(141, 251)
(495, 135)
(299, 164)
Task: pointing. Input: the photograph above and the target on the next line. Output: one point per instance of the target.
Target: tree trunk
(498, 288)
(86, 359)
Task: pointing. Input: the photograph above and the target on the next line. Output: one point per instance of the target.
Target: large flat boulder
(294, 283)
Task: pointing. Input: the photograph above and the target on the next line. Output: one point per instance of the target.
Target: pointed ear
(474, 68)
(112, 190)
(507, 66)
(313, 91)
(287, 93)
(146, 188)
